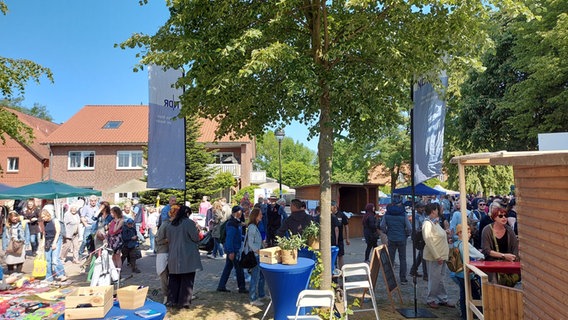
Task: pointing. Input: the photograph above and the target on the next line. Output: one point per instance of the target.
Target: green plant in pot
(311, 235)
(289, 247)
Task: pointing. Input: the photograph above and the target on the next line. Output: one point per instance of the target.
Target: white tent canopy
(450, 192)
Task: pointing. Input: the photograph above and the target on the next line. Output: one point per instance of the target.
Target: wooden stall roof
(529, 158)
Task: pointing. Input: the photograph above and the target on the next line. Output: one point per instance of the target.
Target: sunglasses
(482, 204)
(502, 216)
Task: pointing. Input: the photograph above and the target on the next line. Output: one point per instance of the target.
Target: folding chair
(358, 270)
(314, 298)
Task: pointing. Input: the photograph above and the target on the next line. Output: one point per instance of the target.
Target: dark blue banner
(428, 130)
(166, 134)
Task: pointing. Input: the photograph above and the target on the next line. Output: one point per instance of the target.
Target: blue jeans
(152, 237)
(54, 263)
(138, 233)
(88, 231)
(256, 282)
(34, 241)
(229, 265)
(401, 247)
(217, 248)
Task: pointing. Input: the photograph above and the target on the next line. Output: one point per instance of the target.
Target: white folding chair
(359, 270)
(314, 298)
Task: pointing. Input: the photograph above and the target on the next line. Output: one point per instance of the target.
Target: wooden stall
(351, 197)
(541, 183)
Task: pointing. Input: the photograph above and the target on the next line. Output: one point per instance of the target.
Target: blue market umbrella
(4, 187)
(48, 189)
(419, 190)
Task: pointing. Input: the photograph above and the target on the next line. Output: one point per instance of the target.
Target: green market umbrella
(48, 189)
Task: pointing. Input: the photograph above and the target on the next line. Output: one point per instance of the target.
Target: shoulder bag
(248, 260)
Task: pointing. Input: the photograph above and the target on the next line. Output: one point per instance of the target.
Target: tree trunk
(325, 154)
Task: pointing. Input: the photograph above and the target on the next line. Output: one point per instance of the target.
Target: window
(13, 164)
(81, 160)
(224, 157)
(128, 159)
(112, 125)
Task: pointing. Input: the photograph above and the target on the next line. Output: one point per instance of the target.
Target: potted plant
(311, 235)
(289, 247)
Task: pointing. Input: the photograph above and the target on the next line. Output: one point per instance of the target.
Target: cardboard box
(89, 302)
(270, 255)
(131, 297)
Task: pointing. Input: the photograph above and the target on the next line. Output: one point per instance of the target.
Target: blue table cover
(285, 283)
(115, 311)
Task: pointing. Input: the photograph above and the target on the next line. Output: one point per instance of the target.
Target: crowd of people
(492, 235)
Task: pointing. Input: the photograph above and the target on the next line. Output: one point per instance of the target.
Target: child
(130, 249)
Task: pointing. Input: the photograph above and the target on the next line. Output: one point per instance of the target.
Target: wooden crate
(270, 255)
(100, 299)
(131, 297)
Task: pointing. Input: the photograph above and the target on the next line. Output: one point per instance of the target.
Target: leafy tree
(350, 162)
(299, 165)
(14, 75)
(335, 66)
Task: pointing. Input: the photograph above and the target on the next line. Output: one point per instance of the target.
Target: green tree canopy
(336, 66)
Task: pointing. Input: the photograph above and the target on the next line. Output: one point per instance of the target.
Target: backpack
(455, 263)
(223, 231)
(418, 240)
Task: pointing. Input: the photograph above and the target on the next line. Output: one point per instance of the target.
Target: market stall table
(285, 282)
(115, 311)
(497, 266)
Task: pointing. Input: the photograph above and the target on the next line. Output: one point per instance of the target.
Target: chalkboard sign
(380, 260)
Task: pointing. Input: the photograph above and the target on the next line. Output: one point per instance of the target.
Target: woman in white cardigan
(435, 255)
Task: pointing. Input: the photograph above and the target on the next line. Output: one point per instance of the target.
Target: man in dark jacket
(397, 227)
(273, 221)
(296, 222)
(233, 243)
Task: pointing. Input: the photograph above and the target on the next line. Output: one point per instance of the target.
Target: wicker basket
(289, 256)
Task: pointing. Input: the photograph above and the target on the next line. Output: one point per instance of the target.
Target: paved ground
(206, 280)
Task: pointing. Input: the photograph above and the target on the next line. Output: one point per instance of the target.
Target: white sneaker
(210, 256)
(257, 303)
(220, 257)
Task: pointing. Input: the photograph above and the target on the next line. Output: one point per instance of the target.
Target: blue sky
(75, 39)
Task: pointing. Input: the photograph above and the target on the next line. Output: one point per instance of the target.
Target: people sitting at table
(498, 240)
(296, 222)
(17, 233)
(458, 277)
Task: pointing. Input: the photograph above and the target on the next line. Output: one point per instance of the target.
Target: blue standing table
(285, 282)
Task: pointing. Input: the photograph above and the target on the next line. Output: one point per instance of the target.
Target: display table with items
(149, 310)
(285, 282)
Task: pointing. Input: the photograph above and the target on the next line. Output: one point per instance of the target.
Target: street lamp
(280, 136)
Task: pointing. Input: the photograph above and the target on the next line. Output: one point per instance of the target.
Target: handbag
(40, 266)
(15, 247)
(248, 260)
(505, 279)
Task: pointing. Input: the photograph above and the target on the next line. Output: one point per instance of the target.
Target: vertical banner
(428, 130)
(166, 134)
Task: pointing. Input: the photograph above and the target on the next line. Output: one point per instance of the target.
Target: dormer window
(112, 125)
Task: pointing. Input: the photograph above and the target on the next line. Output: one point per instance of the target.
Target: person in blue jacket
(397, 227)
(233, 244)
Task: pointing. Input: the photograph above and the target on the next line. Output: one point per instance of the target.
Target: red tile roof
(208, 128)
(86, 126)
(41, 129)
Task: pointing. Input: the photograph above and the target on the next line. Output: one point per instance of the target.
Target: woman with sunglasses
(498, 240)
